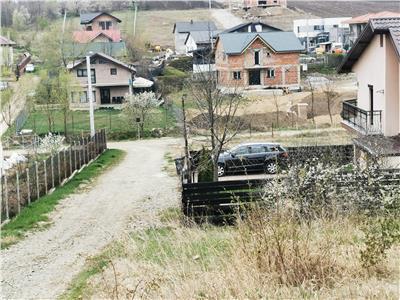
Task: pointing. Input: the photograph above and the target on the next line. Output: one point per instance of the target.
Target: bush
(184, 64)
(205, 167)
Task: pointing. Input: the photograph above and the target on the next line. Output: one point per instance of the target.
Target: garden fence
(29, 181)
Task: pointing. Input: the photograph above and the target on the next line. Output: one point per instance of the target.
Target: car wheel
(271, 167)
(221, 170)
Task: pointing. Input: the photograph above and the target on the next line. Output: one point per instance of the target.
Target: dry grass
(271, 256)
(156, 26)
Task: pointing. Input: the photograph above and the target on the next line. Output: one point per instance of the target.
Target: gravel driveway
(128, 196)
(226, 18)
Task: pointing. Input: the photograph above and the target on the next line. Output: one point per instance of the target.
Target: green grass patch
(171, 71)
(78, 288)
(165, 245)
(33, 216)
(117, 125)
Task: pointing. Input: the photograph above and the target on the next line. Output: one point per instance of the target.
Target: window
(298, 29)
(113, 71)
(102, 24)
(270, 73)
(241, 150)
(89, 28)
(236, 75)
(257, 57)
(318, 27)
(93, 61)
(258, 149)
(108, 24)
(102, 61)
(81, 73)
(335, 26)
(93, 75)
(83, 97)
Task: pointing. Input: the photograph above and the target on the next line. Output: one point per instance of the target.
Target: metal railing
(367, 122)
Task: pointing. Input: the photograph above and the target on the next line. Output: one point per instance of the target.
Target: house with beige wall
(258, 60)
(374, 117)
(111, 81)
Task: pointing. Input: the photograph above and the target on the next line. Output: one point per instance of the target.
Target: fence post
(76, 161)
(6, 196)
(59, 167)
(37, 180)
(52, 171)
(70, 160)
(45, 175)
(105, 140)
(80, 155)
(18, 195)
(65, 165)
(28, 185)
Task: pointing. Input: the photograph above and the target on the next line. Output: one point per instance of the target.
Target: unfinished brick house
(263, 3)
(258, 60)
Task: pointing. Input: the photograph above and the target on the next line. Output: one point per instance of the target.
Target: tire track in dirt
(129, 195)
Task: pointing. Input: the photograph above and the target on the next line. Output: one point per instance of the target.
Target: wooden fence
(224, 200)
(30, 181)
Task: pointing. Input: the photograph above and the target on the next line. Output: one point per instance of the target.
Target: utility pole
(134, 18)
(209, 4)
(90, 94)
(185, 136)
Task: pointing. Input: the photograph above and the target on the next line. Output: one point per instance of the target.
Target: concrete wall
(103, 75)
(391, 93)
(286, 66)
(379, 66)
(180, 38)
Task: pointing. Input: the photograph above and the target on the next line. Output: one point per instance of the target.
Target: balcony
(365, 122)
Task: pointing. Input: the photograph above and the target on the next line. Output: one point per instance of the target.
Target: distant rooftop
(87, 18)
(375, 26)
(186, 27)
(365, 18)
(202, 36)
(5, 41)
(253, 27)
(279, 41)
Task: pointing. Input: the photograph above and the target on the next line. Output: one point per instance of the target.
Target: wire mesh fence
(27, 183)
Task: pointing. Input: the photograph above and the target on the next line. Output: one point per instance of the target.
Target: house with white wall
(312, 32)
(374, 117)
(182, 29)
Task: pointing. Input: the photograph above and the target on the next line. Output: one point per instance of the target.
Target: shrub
(184, 64)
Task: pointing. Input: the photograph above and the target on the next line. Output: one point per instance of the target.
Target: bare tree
(329, 90)
(312, 90)
(217, 110)
(277, 111)
(6, 107)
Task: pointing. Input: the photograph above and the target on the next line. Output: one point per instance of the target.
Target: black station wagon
(252, 157)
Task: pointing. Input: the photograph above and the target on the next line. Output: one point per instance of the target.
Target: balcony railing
(366, 122)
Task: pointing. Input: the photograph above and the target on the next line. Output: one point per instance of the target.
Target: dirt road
(225, 18)
(128, 196)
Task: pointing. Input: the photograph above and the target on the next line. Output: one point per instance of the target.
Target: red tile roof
(365, 18)
(82, 36)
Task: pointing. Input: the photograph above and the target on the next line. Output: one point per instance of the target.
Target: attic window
(89, 28)
(113, 71)
(102, 61)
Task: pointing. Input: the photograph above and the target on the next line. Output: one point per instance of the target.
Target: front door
(254, 77)
(105, 96)
(371, 103)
